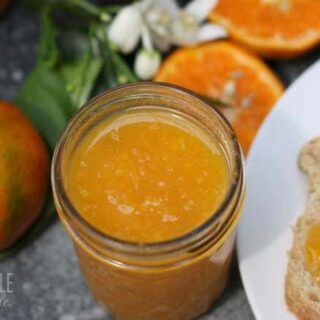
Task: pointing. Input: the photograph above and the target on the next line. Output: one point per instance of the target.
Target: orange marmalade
(147, 176)
(148, 181)
(312, 251)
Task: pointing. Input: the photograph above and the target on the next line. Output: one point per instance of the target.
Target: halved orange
(274, 28)
(227, 72)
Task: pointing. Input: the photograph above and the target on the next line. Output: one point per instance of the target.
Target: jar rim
(130, 246)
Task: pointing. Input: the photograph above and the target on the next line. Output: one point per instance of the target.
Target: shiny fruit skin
(24, 174)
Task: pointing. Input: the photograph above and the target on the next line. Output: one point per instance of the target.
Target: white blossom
(147, 63)
(201, 8)
(170, 25)
(210, 31)
(125, 29)
(167, 24)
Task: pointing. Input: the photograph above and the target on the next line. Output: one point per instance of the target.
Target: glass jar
(175, 279)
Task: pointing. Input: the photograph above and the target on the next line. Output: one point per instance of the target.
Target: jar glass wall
(175, 279)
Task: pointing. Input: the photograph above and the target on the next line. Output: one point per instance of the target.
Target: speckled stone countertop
(47, 283)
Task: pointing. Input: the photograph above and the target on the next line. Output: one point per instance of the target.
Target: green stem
(116, 69)
(86, 6)
(91, 9)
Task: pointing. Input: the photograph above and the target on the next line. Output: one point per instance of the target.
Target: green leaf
(110, 75)
(86, 6)
(115, 70)
(125, 74)
(74, 42)
(43, 97)
(48, 50)
(80, 77)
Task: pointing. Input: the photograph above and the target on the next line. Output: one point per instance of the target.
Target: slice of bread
(301, 288)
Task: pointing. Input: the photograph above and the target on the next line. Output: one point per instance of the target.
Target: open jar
(178, 278)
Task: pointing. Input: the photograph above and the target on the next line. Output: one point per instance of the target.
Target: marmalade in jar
(147, 176)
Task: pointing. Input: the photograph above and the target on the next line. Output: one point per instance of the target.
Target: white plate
(277, 192)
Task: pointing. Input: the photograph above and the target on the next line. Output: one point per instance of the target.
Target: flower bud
(147, 63)
(125, 29)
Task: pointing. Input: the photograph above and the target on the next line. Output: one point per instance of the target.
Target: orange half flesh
(274, 28)
(227, 72)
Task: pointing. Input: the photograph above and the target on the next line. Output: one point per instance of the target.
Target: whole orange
(24, 174)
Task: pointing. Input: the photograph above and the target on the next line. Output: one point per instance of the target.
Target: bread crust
(309, 162)
(302, 291)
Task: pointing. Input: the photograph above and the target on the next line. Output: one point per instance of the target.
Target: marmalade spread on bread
(312, 251)
(303, 272)
(309, 162)
(147, 177)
